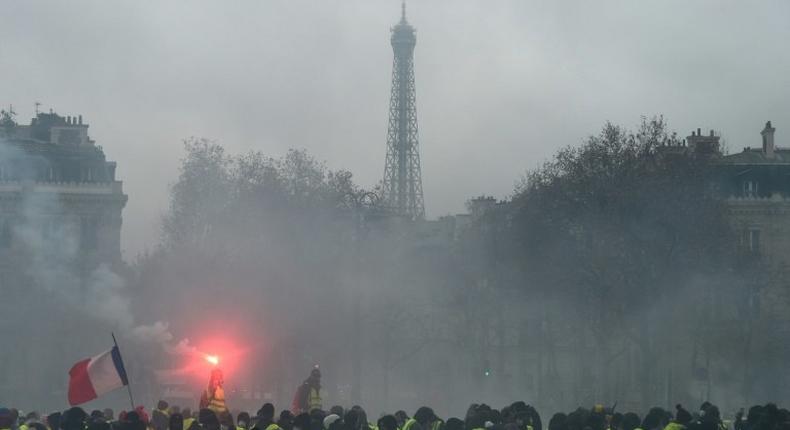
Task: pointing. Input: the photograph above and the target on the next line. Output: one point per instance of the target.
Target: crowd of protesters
(517, 416)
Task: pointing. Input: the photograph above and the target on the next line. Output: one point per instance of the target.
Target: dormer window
(750, 188)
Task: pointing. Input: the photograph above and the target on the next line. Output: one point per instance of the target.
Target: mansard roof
(757, 156)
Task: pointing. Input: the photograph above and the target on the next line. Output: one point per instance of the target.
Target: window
(750, 188)
(751, 240)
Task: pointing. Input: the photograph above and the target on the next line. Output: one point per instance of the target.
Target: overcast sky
(501, 84)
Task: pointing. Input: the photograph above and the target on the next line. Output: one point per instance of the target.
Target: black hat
(682, 416)
(266, 411)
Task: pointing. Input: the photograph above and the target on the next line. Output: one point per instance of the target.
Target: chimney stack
(768, 140)
(701, 145)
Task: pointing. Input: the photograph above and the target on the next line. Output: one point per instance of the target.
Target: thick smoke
(280, 264)
(57, 300)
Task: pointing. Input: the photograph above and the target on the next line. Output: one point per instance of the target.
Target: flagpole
(128, 383)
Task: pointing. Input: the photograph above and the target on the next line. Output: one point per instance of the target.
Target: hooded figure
(308, 395)
(213, 396)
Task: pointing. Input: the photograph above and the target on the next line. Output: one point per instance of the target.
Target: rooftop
(758, 156)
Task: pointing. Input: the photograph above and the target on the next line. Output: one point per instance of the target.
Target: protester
(243, 421)
(175, 422)
(265, 419)
(308, 395)
(515, 416)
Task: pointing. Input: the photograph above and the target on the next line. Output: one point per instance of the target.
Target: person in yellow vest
(213, 396)
(682, 419)
(189, 420)
(423, 420)
(160, 417)
(265, 418)
(389, 422)
(401, 417)
(308, 395)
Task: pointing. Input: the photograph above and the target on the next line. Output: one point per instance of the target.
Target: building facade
(755, 186)
(756, 182)
(58, 192)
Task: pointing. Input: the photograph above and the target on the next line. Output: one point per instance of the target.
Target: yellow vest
(217, 402)
(313, 400)
(409, 424)
(188, 423)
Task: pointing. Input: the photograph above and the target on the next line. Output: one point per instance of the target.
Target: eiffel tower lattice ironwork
(402, 187)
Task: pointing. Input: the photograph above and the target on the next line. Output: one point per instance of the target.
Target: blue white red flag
(92, 377)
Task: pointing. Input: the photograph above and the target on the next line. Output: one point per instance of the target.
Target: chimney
(80, 119)
(768, 140)
(701, 145)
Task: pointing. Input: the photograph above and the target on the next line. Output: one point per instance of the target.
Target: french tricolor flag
(92, 377)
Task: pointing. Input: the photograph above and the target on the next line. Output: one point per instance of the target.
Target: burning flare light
(213, 359)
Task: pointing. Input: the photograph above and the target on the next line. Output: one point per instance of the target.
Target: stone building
(60, 225)
(58, 192)
(757, 185)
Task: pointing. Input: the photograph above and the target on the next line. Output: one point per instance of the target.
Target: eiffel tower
(402, 191)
